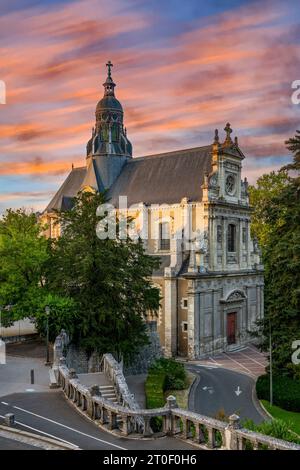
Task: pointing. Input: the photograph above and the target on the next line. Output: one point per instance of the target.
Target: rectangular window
(231, 238)
(219, 234)
(244, 235)
(184, 326)
(184, 303)
(164, 236)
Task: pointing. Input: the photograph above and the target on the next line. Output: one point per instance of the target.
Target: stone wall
(147, 355)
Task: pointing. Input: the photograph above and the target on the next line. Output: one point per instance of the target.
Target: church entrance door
(231, 327)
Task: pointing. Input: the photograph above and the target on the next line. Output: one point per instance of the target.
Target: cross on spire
(109, 65)
(228, 131)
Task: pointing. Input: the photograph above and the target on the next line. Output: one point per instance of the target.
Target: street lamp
(271, 364)
(47, 310)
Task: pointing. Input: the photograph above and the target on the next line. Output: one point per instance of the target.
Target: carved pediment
(235, 296)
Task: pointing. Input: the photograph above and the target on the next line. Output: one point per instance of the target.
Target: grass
(182, 396)
(292, 418)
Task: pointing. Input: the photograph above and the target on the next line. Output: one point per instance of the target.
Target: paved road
(50, 413)
(219, 389)
(248, 360)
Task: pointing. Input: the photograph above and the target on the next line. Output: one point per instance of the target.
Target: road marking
(42, 432)
(210, 367)
(68, 427)
(238, 391)
(4, 403)
(30, 390)
(239, 364)
(212, 359)
(254, 360)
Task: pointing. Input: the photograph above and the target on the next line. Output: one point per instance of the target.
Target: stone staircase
(108, 392)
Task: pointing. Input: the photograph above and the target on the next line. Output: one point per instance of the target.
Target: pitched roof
(71, 186)
(163, 178)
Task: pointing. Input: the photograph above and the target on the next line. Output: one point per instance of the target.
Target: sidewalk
(21, 358)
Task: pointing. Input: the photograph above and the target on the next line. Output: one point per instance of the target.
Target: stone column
(169, 420)
(193, 321)
(147, 428)
(170, 313)
(224, 244)
(230, 433)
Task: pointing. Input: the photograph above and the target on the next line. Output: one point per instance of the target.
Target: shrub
(275, 428)
(165, 374)
(154, 388)
(286, 391)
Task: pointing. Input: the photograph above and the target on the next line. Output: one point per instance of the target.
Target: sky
(182, 69)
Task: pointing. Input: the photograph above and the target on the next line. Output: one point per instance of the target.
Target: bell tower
(109, 148)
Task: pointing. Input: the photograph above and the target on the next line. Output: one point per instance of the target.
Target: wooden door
(231, 327)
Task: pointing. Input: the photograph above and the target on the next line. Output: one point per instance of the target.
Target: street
(217, 389)
(50, 414)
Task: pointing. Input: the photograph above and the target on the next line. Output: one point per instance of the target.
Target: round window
(230, 185)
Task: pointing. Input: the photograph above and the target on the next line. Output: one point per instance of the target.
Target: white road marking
(254, 360)
(238, 363)
(45, 433)
(68, 427)
(215, 362)
(208, 366)
(30, 390)
(4, 403)
(238, 391)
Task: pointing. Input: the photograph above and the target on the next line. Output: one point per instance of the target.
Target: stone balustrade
(207, 432)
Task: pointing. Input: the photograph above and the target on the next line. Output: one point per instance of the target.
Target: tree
(268, 187)
(109, 280)
(25, 255)
(276, 223)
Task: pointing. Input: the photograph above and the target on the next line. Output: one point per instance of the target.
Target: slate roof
(163, 178)
(69, 189)
(154, 179)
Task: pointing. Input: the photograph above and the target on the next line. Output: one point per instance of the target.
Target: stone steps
(108, 392)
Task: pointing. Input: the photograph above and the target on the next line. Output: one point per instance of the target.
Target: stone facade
(191, 208)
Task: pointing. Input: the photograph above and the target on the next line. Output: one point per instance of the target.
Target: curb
(35, 440)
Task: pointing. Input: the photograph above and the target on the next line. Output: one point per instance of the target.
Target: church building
(195, 215)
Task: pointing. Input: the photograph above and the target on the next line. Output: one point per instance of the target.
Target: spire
(216, 141)
(228, 130)
(109, 84)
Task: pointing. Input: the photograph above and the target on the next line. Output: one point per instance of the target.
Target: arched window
(231, 238)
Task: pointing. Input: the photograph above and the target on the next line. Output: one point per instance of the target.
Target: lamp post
(47, 310)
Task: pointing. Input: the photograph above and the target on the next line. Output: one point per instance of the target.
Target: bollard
(32, 376)
(9, 419)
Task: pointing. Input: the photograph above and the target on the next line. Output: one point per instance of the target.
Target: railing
(207, 432)
(113, 370)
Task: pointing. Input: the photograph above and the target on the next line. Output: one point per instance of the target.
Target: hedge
(165, 374)
(286, 391)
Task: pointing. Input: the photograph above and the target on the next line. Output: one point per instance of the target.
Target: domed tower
(109, 148)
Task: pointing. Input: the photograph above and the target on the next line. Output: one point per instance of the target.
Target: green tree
(23, 254)
(109, 280)
(276, 223)
(25, 258)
